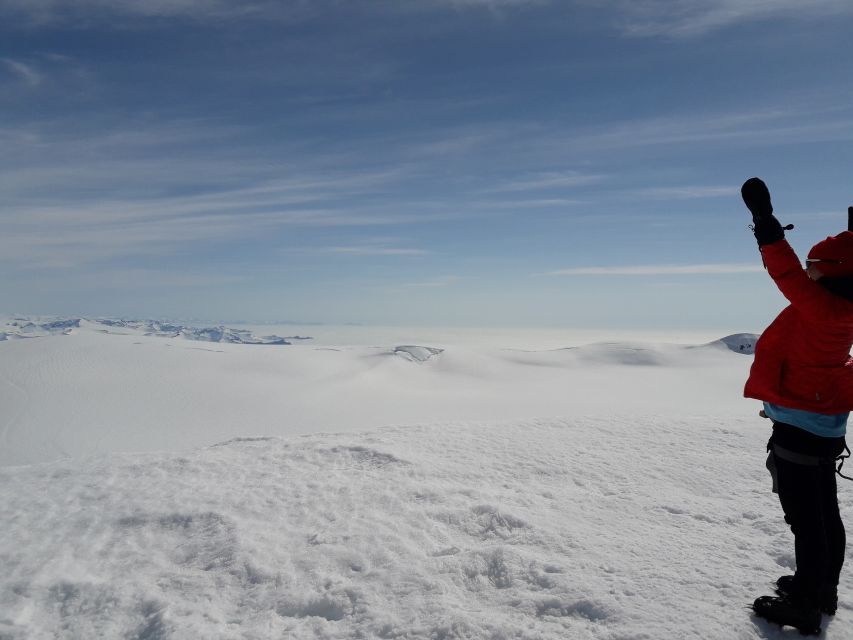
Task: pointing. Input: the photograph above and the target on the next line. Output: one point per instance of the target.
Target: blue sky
(427, 162)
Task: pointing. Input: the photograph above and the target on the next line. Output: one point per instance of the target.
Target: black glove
(768, 230)
(765, 226)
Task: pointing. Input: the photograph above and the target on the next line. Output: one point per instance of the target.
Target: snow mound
(417, 354)
(622, 353)
(625, 353)
(591, 356)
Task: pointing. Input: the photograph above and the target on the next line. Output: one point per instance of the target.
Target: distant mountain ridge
(21, 328)
(37, 327)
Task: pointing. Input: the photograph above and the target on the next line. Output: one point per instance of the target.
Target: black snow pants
(808, 494)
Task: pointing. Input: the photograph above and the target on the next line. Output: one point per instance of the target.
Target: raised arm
(808, 296)
(779, 258)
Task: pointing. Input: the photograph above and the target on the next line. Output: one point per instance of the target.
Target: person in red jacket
(803, 373)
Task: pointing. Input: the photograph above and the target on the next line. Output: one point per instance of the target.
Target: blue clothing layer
(820, 424)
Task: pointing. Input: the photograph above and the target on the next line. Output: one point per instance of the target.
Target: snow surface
(153, 488)
(89, 392)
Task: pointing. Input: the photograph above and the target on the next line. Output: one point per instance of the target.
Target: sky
(417, 162)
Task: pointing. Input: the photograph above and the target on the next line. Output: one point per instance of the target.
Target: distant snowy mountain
(739, 342)
(32, 328)
(39, 327)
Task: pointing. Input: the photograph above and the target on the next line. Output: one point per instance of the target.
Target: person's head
(831, 258)
(830, 262)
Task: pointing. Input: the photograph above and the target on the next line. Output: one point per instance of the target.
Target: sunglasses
(810, 261)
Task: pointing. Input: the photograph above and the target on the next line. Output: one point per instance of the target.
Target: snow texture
(643, 512)
(588, 528)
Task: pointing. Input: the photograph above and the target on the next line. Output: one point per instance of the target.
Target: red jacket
(802, 360)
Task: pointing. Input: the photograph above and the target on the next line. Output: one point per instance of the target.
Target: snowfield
(83, 391)
(158, 488)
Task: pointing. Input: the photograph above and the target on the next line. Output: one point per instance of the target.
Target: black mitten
(756, 197)
(765, 226)
(768, 230)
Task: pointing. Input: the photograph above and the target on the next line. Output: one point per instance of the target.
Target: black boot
(827, 598)
(786, 610)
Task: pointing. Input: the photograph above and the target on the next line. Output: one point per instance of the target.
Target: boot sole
(803, 630)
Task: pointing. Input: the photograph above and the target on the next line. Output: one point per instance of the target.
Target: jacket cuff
(768, 230)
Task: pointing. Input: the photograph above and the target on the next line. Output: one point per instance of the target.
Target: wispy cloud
(531, 203)
(45, 230)
(164, 188)
(658, 270)
(438, 282)
(670, 18)
(551, 180)
(104, 235)
(687, 18)
(24, 71)
(797, 123)
(52, 11)
(455, 143)
(155, 279)
(487, 3)
(371, 251)
(99, 11)
(688, 192)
